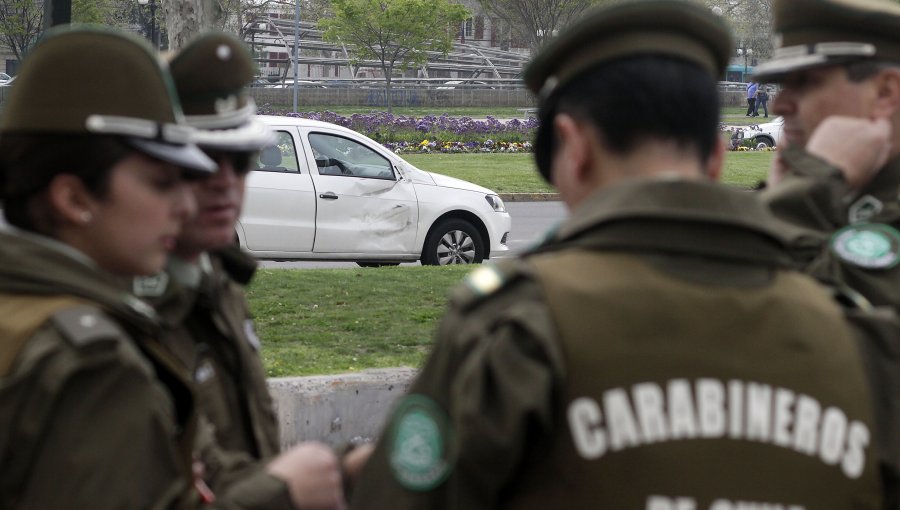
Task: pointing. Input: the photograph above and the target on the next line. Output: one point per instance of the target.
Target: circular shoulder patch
(868, 245)
(418, 444)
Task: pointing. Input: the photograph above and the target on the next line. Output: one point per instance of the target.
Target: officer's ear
(572, 164)
(887, 93)
(70, 198)
(713, 167)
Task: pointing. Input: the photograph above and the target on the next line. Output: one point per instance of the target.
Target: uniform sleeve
(488, 390)
(811, 196)
(97, 430)
(240, 481)
(108, 442)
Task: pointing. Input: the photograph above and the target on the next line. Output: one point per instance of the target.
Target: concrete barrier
(337, 408)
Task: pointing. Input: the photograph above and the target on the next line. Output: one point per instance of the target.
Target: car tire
(453, 241)
(762, 142)
(377, 264)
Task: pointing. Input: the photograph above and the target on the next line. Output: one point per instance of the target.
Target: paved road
(530, 220)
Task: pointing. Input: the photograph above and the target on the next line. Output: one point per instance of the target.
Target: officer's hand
(311, 471)
(354, 461)
(859, 147)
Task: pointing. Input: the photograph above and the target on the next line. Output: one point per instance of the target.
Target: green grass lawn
(515, 173)
(503, 173)
(322, 321)
(737, 116)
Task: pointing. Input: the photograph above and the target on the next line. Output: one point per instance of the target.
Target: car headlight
(496, 203)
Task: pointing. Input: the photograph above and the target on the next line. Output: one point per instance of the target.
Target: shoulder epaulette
(486, 281)
(85, 325)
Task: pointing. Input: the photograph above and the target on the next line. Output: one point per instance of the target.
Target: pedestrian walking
(762, 100)
(752, 89)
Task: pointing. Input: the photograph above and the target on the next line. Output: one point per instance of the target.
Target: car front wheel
(763, 142)
(453, 242)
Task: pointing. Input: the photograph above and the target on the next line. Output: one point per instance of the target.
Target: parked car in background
(474, 84)
(288, 83)
(325, 192)
(6, 80)
(760, 135)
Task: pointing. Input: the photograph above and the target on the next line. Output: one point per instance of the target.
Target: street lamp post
(747, 53)
(153, 38)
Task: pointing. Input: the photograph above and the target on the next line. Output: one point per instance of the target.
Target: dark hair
(635, 100)
(864, 69)
(29, 161)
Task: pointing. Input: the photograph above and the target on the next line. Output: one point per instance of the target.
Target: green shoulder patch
(418, 442)
(867, 245)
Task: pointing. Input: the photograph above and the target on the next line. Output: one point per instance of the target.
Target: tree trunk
(185, 19)
(387, 86)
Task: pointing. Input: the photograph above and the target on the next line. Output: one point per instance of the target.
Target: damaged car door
(363, 203)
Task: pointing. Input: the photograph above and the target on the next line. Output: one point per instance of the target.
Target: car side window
(336, 155)
(281, 157)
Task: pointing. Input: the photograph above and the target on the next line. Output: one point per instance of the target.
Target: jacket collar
(692, 217)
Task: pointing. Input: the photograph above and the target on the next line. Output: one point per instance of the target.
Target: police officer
(200, 297)
(657, 352)
(96, 413)
(838, 171)
(93, 414)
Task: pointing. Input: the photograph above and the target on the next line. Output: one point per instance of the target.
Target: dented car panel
(328, 193)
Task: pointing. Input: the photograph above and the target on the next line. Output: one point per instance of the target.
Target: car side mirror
(323, 162)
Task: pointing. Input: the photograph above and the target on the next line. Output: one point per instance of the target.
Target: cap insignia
(226, 104)
(223, 52)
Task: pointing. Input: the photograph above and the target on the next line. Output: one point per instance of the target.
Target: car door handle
(328, 196)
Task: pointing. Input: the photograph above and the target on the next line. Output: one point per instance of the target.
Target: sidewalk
(529, 197)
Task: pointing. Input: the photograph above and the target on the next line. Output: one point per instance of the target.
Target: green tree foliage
(535, 22)
(94, 11)
(21, 23)
(751, 21)
(394, 33)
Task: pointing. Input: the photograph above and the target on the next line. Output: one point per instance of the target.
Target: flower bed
(446, 134)
(433, 133)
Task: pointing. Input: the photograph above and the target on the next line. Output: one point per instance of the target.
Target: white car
(762, 135)
(329, 193)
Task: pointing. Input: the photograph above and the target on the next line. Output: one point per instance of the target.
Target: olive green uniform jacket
(848, 238)
(814, 197)
(94, 412)
(207, 326)
(656, 353)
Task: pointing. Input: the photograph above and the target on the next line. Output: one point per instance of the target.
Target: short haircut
(861, 70)
(29, 161)
(636, 100)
